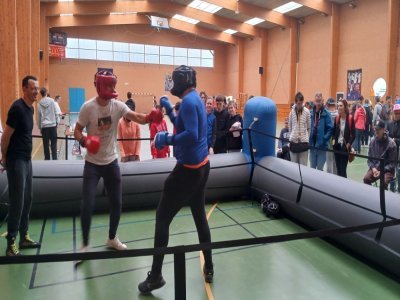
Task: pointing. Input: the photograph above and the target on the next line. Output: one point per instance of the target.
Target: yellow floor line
(207, 285)
(37, 149)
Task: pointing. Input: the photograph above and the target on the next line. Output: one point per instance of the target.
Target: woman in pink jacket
(359, 124)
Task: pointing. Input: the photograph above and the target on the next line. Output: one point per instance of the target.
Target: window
(136, 57)
(138, 53)
(150, 49)
(104, 45)
(87, 44)
(136, 48)
(121, 56)
(104, 55)
(87, 54)
(151, 59)
(121, 47)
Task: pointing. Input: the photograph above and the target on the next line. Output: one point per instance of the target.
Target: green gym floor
(306, 269)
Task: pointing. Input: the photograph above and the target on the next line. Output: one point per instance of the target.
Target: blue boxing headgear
(183, 77)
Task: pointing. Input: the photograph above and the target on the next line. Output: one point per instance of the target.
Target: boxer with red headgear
(100, 116)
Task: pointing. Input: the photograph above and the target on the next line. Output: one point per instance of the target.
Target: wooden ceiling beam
(254, 11)
(156, 7)
(98, 20)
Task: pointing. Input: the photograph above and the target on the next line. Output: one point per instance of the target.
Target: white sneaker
(116, 244)
(83, 249)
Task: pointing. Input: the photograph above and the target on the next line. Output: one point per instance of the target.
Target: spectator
(394, 133)
(16, 158)
(203, 97)
(299, 131)
(330, 156)
(156, 127)
(359, 123)
(130, 102)
(368, 123)
(381, 146)
(154, 102)
(211, 125)
(377, 110)
(127, 129)
(386, 111)
(222, 116)
(283, 142)
(47, 123)
(320, 133)
(57, 100)
(343, 133)
(235, 123)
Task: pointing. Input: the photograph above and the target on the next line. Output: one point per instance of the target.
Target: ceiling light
(123, 13)
(65, 0)
(287, 7)
(254, 21)
(185, 19)
(205, 6)
(230, 31)
(66, 15)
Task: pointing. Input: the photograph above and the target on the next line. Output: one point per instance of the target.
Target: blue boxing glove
(162, 139)
(164, 102)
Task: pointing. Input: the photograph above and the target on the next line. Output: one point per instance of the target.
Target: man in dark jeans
(16, 151)
(47, 114)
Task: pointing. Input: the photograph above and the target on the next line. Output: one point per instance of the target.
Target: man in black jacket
(394, 133)
(382, 146)
(130, 101)
(222, 117)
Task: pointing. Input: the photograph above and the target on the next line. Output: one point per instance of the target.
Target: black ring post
(381, 198)
(382, 187)
(66, 147)
(180, 276)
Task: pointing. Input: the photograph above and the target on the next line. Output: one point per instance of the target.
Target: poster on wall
(354, 78)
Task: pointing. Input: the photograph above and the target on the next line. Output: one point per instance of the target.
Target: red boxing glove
(154, 116)
(92, 143)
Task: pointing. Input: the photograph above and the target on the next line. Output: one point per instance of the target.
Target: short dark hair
(26, 79)
(221, 98)
(43, 92)
(361, 98)
(57, 97)
(388, 98)
(129, 95)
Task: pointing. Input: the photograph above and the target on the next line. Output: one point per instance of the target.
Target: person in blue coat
(320, 133)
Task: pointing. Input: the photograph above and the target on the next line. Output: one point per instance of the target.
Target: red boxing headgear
(105, 82)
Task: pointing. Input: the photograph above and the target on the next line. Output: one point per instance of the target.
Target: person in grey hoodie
(47, 124)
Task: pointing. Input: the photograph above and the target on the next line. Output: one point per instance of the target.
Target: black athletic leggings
(183, 185)
(112, 181)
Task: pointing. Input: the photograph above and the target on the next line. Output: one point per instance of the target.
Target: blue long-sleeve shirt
(190, 140)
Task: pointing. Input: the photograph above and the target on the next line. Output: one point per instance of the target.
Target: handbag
(352, 155)
(299, 147)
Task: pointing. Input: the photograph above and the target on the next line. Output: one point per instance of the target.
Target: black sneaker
(27, 243)
(151, 283)
(12, 250)
(208, 274)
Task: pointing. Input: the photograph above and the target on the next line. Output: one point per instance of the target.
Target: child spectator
(156, 127)
(127, 129)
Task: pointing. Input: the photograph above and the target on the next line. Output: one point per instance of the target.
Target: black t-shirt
(131, 104)
(20, 117)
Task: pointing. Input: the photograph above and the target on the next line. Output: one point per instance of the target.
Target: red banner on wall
(56, 51)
